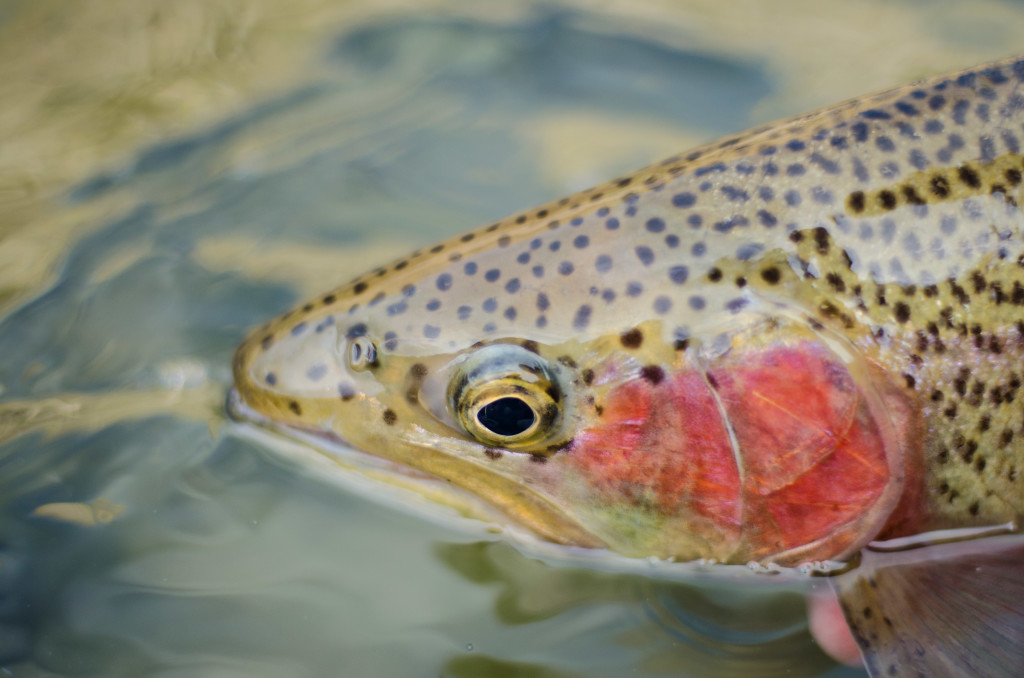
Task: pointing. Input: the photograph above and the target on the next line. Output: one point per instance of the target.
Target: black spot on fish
(969, 176)
(978, 280)
(984, 423)
(530, 345)
(771, 275)
(652, 373)
(911, 196)
(634, 338)
(887, 199)
(821, 240)
(836, 282)
(855, 202)
(939, 186)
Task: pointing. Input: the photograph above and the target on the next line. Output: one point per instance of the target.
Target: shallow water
(174, 174)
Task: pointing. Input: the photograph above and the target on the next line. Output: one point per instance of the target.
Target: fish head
(722, 356)
(587, 417)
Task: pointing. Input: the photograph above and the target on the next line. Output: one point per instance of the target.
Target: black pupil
(506, 417)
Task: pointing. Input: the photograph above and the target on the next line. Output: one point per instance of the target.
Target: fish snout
(240, 411)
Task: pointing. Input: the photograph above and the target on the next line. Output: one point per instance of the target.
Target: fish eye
(504, 395)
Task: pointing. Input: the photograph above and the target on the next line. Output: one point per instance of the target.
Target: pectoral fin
(954, 609)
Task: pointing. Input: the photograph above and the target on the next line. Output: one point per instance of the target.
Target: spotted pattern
(892, 221)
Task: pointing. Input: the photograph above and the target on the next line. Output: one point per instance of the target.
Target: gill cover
(772, 444)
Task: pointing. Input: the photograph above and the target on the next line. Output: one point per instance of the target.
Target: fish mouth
(240, 411)
(522, 508)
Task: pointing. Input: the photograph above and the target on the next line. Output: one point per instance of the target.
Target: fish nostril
(362, 354)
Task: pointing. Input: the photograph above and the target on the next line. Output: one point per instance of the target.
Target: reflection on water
(630, 624)
(174, 174)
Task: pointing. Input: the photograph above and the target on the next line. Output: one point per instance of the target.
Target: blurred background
(173, 173)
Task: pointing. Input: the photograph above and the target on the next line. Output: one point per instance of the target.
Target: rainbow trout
(785, 347)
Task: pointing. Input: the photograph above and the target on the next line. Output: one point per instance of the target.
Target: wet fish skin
(914, 269)
(881, 237)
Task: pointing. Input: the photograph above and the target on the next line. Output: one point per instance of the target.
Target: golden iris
(504, 395)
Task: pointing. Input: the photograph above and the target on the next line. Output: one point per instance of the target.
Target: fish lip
(567, 530)
(240, 411)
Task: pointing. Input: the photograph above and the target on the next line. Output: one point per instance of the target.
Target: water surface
(175, 174)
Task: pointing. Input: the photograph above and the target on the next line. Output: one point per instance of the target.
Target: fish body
(778, 347)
